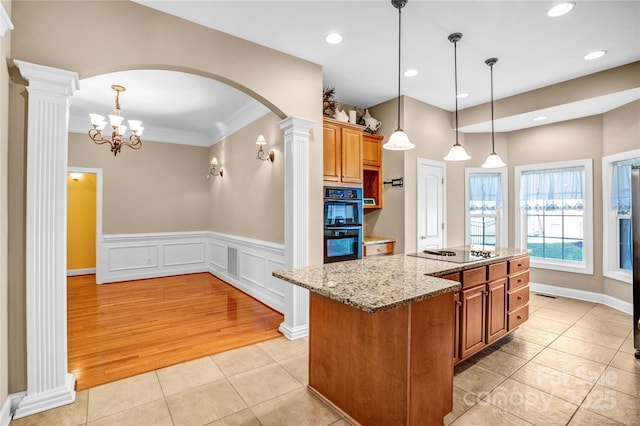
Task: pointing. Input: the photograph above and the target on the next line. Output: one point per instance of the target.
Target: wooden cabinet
(493, 301)
(472, 320)
(372, 169)
(342, 151)
(378, 249)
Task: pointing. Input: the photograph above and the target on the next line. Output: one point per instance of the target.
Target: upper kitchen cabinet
(372, 170)
(342, 151)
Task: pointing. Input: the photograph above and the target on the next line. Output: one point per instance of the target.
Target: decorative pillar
(296, 222)
(49, 385)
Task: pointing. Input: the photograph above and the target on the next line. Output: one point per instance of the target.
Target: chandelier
(98, 122)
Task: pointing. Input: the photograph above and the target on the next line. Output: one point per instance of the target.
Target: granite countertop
(367, 240)
(380, 283)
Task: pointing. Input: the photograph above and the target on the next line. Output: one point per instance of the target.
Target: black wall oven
(342, 224)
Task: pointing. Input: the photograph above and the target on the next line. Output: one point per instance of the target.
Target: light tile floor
(571, 363)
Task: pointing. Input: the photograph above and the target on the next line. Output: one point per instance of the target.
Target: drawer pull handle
(519, 297)
(519, 317)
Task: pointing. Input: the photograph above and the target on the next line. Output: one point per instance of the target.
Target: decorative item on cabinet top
(372, 125)
(328, 101)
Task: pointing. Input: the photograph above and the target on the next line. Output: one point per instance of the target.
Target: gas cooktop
(455, 255)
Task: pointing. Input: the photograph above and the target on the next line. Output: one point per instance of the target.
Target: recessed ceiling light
(595, 55)
(333, 38)
(411, 73)
(561, 9)
(540, 118)
(462, 95)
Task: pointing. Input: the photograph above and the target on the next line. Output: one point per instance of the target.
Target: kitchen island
(381, 335)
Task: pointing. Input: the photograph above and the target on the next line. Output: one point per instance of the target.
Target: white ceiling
(533, 51)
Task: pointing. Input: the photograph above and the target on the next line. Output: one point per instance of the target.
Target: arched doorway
(48, 383)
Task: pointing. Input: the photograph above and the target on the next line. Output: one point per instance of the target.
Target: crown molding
(5, 21)
(82, 124)
(240, 118)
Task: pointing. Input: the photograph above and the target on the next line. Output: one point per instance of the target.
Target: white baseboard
(588, 296)
(76, 272)
(52, 398)
(293, 333)
(6, 411)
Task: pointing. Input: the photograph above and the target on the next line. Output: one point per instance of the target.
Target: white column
(296, 222)
(5, 22)
(49, 384)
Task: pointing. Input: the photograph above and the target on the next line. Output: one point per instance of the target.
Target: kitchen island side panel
(390, 367)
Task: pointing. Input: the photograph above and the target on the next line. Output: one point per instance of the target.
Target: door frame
(99, 182)
(443, 166)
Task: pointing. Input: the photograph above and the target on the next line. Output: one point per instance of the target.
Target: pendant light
(493, 160)
(457, 152)
(399, 140)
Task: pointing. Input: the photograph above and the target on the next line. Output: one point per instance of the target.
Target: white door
(431, 210)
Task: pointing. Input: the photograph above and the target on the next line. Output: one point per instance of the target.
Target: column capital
(48, 79)
(296, 123)
(5, 21)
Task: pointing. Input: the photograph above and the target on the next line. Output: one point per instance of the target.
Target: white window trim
(610, 247)
(503, 240)
(584, 267)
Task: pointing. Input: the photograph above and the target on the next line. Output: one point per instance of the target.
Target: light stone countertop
(368, 240)
(380, 283)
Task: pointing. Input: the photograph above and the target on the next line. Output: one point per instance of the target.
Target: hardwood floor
(122, 329)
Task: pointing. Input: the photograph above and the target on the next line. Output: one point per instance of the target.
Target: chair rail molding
(49, 384)
(296, 222)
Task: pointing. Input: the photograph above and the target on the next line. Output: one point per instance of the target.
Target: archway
(48, 383)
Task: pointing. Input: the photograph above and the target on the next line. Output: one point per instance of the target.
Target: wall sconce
(215, 170)
(75, 176)
(262, 154)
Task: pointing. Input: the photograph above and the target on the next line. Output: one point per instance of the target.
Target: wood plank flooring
(122, 329)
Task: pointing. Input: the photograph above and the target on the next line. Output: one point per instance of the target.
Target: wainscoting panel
(255, 261)
(242, 262)
(137, 256)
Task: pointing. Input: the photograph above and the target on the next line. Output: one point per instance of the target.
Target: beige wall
(5, 52)
(248, 200)
(159, 188)
(287, 85)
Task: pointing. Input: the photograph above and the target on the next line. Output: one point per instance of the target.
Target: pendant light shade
(399, 141)
(457, 152)
(493, 161)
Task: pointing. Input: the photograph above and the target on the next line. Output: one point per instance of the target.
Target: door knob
(423, 237)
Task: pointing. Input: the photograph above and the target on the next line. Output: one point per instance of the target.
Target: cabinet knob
(519, 265)
(519, 297)
(519, 280)
(519, 317)
(459, 303)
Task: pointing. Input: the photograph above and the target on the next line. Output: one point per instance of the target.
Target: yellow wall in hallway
(81, 222)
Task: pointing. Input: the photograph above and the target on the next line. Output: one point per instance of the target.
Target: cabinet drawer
(475, 276)
(518, 280)
(517, 317)
(518, 298)
(378, 249)
(518, 265)
(453, 277)
(497, 270)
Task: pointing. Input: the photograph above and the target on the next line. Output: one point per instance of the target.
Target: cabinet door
(331, 153)
(473, 316)
(496, 310)
(371, 150)
(351, 155)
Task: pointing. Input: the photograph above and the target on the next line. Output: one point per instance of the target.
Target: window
(486, 218)
(556, 215)
(616, 211)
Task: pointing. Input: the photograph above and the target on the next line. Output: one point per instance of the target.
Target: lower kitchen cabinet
(490, 304)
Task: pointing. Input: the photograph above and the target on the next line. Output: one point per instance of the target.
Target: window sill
(566, 266)
(625, 277)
